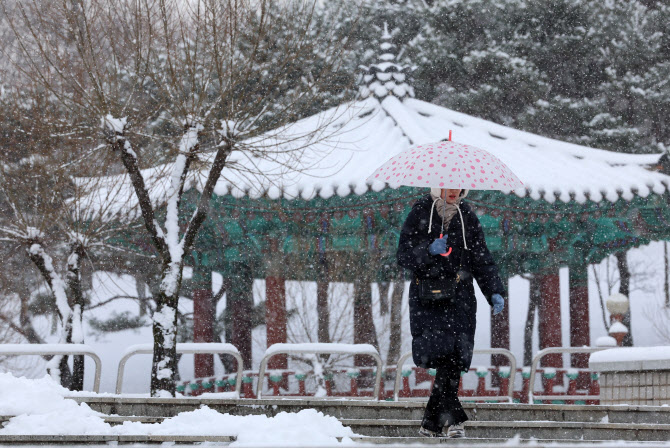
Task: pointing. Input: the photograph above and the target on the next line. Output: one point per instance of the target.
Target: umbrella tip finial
(449, 134)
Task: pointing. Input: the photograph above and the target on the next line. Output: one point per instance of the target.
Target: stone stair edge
(371, 440)
(359, 403)
(486, 442)
(104, 438)
(470, 423)
(515, 424)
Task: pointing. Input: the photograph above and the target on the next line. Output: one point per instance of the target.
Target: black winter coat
(444, 333)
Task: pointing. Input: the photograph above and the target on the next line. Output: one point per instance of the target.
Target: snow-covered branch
(115, 134)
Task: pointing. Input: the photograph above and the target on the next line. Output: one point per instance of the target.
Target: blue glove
(498, 303)
(439, 246)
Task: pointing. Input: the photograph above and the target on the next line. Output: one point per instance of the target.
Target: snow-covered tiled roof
(354, 139)
(339, 148)
(369, 132)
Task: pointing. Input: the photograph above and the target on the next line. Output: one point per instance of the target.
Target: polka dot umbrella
(447, 164)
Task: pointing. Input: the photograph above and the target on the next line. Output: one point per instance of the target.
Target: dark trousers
(443, 406)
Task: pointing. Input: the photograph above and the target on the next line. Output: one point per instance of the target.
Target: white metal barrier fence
(56, 350)
(192, 348)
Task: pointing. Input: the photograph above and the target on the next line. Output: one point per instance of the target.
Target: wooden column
(500, 337)
(275, 318)
(550, 317)
(322, 283)
(240, 301)
(580, 335)
(395, 333)
(364, 327)
(322, 311)
(203, 314)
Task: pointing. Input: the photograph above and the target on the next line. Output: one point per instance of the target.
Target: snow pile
(41, 407)
(632, 354)
(307, 427)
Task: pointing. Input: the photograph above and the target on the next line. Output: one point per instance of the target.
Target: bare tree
(43, 213)
(178, 88)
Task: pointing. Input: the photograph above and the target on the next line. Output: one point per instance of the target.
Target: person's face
(450, 196)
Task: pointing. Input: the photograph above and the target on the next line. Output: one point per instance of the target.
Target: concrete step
(511, 442)
(368, 409)
(71, 440)
(405, 431)
(380, 442)
(519, 429)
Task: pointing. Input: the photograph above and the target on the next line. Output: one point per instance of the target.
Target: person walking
(442, 300)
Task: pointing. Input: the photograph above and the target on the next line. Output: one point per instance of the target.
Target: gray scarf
(446, 211)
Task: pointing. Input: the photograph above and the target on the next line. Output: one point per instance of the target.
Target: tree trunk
(533, 304)
(141, 288)
(164, 364)
(76, 301)
(624, 288)
(667, 273)
(322, 311)
(384, 297)
(395, 334)
(78, 360)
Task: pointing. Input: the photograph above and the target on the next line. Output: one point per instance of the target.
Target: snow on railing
(189, 348)
(56, 349)
(318, 349)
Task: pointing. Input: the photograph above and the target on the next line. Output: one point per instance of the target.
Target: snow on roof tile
(552, 170)
(362, 135)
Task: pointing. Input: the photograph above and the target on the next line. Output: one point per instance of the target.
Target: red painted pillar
(203, 313)
(240, 300)
(364, 329)
(275, 318)
(364, 326)
(203, 330)
(579, 320)
(550, 317)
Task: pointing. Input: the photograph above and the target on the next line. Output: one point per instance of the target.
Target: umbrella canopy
(447, 164)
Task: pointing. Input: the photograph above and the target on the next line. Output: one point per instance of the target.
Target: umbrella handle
(448, 252)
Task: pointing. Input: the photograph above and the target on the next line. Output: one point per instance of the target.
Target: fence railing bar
(56, 349)
(184, 348)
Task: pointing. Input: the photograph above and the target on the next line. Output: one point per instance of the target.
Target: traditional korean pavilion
(326, 223)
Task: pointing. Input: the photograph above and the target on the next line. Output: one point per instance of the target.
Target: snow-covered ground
(40, 407)
(647, 260)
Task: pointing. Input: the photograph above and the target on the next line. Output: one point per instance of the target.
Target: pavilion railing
(493, 351)
(534, 370)
(321, 349)
(56, 350)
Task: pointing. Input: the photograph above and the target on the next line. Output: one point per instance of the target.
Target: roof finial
(386, 77)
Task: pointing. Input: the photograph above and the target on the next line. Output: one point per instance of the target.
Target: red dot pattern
(447, 165)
